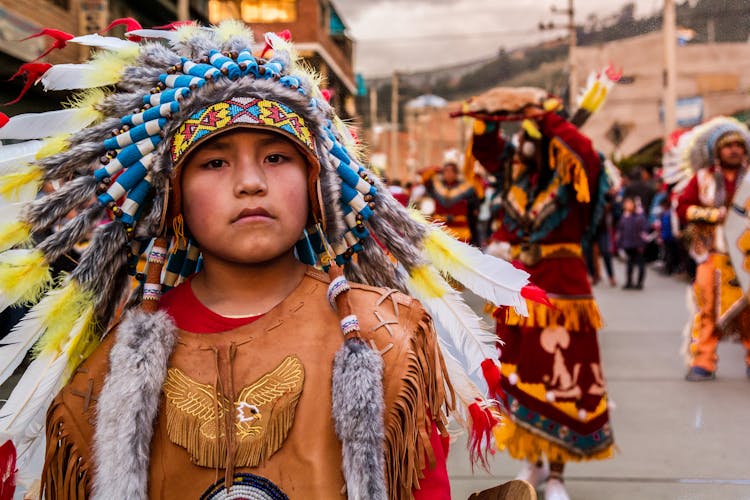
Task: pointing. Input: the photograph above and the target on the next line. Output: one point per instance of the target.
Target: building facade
(712, 79)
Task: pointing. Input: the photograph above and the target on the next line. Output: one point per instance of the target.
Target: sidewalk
(676, 440)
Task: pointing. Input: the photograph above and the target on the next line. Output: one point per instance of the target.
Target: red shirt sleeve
(435, 484)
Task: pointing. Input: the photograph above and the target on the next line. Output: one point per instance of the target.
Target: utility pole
(572, 42)
(393, 159)
(373, 106)
(669, 32)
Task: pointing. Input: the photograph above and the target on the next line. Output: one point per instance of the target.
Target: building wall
(719, 73)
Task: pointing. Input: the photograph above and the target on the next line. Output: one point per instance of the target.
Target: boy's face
(244, 196)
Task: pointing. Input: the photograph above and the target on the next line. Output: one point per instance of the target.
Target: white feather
(161, 34)
(491, 278)
(39, 125)
(75, 76)
(464, 387)
(461, 325)
(17, 343)
(23, 415)
(17, 155)
(32, 396)
(11, 211)
(103, 42)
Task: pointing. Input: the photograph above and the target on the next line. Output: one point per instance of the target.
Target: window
(253, 11)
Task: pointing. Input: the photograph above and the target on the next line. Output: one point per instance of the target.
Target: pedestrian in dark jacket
(632, 230)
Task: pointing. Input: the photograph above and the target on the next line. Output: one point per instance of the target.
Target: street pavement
(675, 439)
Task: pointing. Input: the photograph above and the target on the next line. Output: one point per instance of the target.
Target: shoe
(627, 287)
(698, 374)
(639, 286)
(612, 282)
(534, 475)
(554, 489)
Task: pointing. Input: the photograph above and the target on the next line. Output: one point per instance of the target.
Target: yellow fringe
(24, 275)
(61, 309)
(14, 234)
(52, 146)
(525, 445)
(570, 167)
(12, 183)
(573, 314)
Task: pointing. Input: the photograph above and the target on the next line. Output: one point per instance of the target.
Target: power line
(446, 36)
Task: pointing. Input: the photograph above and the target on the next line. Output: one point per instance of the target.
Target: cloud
(411, 35)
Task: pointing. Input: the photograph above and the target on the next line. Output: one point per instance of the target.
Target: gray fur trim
(45, 212)
(238, 42)
(150, 222)
(198, 45)
(128, 404)
(100, 269)
(358, 416)
(60, 242)
(397, 230)
(85, 147)
(121, 104)
(377, 269)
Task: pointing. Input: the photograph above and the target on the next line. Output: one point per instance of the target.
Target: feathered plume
(104, 69)
(13, 156)
(491, 278)
(461, 326)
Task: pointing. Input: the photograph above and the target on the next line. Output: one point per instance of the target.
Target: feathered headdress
(697, 148)
(139, 106)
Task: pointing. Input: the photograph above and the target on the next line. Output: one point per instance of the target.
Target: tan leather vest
(276, 375)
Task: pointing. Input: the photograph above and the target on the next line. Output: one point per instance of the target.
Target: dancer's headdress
(113, 150)
(698, 148)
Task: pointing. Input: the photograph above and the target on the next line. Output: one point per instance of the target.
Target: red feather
(130, 25)
(482, 422)
(173, 26)
(536, 294)
(284, 35)
(3, 119)
(492, 376)
(60, 39)
(327, 94)
(33, 72)
(7, 470)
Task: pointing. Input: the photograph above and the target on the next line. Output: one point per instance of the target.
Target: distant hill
(544, 64)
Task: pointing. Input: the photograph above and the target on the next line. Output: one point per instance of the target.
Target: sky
(411, 35)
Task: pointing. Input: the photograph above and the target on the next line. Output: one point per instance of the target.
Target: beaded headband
(239, 112)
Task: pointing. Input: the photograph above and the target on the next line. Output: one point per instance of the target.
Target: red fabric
(435, 485)
(191, 315)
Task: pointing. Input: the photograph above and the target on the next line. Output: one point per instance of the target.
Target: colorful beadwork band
(238, 111)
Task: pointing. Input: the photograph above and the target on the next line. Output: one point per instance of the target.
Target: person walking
(631, 236)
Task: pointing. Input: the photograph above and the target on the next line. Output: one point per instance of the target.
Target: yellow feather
(52, 146)
(12, 183)
(187, 31)
(13, 234)
(229, 28)
(109, 65)
(590, 96)
(24, 275)
(62, 308)
(83, 342)
(426, 282)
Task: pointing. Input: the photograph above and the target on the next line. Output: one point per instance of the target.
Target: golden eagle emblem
(263, 415)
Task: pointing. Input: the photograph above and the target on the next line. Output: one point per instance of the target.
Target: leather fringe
(572, 314)
(67, 475)
(424, 399)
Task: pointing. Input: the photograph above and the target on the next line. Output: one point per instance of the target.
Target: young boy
(631, 231)
(239, 378)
